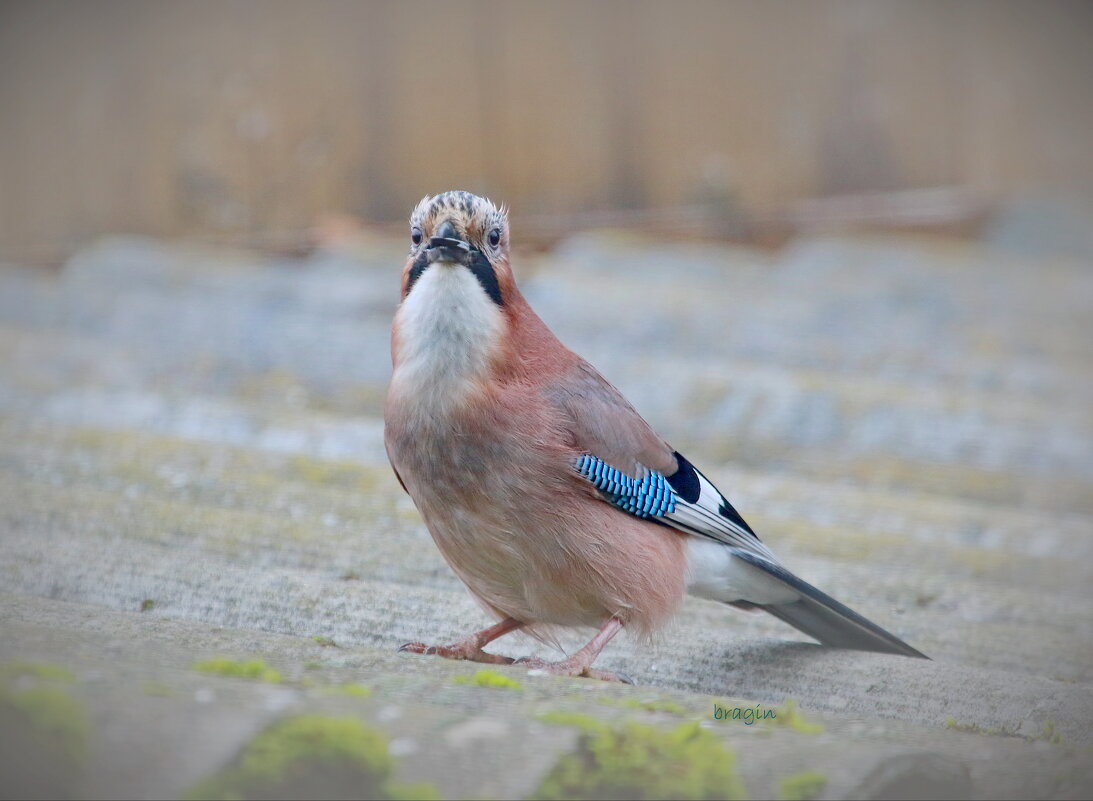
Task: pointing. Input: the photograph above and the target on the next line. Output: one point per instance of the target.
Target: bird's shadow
(722, 670)
(778, 649)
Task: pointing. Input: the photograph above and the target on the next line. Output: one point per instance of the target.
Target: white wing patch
(709, 516)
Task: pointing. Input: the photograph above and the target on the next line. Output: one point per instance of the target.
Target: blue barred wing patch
(686, 501)
(651, 496)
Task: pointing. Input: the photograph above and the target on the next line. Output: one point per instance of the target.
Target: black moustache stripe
(486, 276)
(415, 272)
(480, 267)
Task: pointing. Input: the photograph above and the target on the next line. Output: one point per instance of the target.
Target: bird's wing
(638, 472)
(601, 421)
(684, 500)
(632, 468)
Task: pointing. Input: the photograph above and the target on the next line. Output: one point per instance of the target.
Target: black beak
(447, 246)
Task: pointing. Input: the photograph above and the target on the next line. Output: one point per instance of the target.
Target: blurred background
(838, 253)
(256, 119)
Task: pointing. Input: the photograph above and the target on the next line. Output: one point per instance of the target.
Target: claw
(456, 651)
(624, 678)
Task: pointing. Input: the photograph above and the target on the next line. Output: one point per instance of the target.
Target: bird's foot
(470, 647)
(464, 649)
(572, 667)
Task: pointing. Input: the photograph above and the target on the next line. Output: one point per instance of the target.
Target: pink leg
(580, 664)
(469, 647)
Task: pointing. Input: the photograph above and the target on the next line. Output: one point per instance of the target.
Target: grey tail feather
(821, 616)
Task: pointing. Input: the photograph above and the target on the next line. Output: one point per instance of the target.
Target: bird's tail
(819, 615)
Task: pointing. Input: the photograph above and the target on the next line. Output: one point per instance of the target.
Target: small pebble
(389, 713)
(403, 746)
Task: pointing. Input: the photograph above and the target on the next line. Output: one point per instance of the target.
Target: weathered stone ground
(192, 468)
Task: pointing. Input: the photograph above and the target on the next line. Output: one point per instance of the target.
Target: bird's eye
(495, 238)
(415, 235)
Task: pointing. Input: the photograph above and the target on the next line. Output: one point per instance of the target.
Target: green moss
(43, 731)
(1048, 734)
(37, 670)
(801, 786)
(355, 690)
(55, 717)
(971, 728)
(239, 669)
(147, 605)
(790, 716)
(490, 678)
(311, 756)
(638, 761)
(975, 728)
(325, 642)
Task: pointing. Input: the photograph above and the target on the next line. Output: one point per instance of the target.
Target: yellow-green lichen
(312, 756)
(801, 786)
(490, 678)
(639, 761)
(325, 642)
(43, 731)
(239, 669)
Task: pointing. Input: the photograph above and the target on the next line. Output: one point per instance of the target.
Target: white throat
(447, 330)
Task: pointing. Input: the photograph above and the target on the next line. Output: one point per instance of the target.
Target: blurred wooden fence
(244, 117)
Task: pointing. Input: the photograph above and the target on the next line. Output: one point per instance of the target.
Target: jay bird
(545, 491)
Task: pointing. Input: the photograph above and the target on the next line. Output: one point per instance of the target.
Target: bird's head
(461, 316)
(460, 231)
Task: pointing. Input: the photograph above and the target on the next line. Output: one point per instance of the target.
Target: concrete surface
(198, 434)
